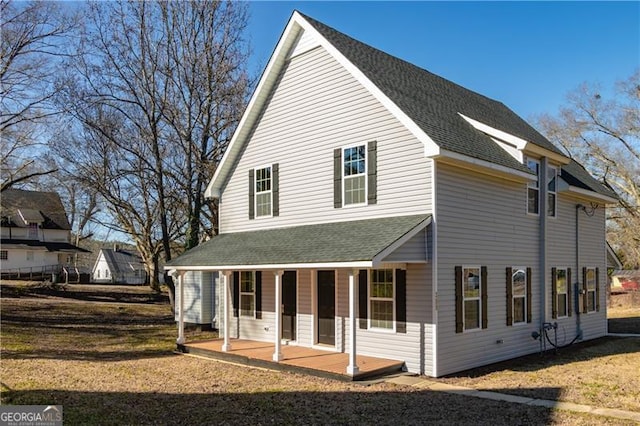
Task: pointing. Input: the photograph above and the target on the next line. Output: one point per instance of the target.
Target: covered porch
(328, 271)
(300, 359)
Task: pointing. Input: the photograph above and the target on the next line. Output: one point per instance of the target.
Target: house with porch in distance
(36, 236)
(370, 208)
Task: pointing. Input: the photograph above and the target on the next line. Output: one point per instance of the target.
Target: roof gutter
(482, 166)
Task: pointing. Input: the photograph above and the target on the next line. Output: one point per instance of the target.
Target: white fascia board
(361, 264)
(521, 144)
(589, 195)
(379, 258)
(430, 147)
(483, 166)
(257, 101)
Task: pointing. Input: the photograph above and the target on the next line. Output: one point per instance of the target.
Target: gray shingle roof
(47, 203)
(121, 261)
(359, 240)
(575, 175)
(435, 105)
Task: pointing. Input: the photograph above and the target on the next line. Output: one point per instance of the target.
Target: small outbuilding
(117, 266)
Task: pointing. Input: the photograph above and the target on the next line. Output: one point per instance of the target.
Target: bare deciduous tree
(32, 39)
(158, 91)
(603, 133)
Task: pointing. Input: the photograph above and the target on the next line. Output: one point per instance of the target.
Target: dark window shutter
(337, 178)
(275, 189)
(372, 172)
(258, 295)
(363, 303)
(485, 297)
(401, 301)
(236, 292)
(554, 293)
(597, 289)
(570, 301)
(585, 293)
(509, 296)
(459, 323)
(252, 195)
(529, 297)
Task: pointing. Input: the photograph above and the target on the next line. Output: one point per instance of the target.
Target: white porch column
(277, 353)
(225, 282)
(181, 338)
(352, 368)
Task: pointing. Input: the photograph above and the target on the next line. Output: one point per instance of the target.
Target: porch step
(389, 368)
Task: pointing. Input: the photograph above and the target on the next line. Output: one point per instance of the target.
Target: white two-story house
(370, 207)
(36, 234)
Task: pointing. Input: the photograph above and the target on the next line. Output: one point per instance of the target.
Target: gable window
(533, 188)
(552, 175)
(247, 293)
(561, 292)
(4, 255)
(354, 175)
(381, 299)
(98, 273)
(263, 192)
(355, 171)
(590, 284)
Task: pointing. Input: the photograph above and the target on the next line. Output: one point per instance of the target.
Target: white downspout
(181, 338)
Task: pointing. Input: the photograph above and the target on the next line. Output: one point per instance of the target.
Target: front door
(326, 307)
(289, 308)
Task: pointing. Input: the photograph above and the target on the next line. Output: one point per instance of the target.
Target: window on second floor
(533, 188)
(263, 191)
(552, 178)
(354, 175)
(33, 231)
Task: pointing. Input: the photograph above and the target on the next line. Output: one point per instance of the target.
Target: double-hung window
(33, 231)
(472, 293)
(4, 255)
(29, 256)
(381, 298)
(263, 191)
(533, 188)
(552, 175)
(247, 293)
(519, 295)
(562, 292)
(354, 175)
(590, 278)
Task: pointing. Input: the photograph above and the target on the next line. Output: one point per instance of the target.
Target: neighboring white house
(36, 234)
(369, 207)
(117, 266)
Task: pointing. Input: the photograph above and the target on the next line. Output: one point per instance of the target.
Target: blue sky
(527, 55)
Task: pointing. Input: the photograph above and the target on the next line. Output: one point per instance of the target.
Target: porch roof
(359, 243)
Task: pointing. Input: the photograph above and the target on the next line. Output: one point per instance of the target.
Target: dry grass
(112, 363)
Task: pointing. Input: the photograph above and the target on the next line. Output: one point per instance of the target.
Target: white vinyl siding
(318, 107)
(199, 297)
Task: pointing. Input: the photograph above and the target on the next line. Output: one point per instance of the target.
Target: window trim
(515, 323)
(246, 293)
(370, 298)
(566, 292)
(479, 299)
(594, 291)
(256, 193)
(364, 174)
(530, 184)
(554, 193)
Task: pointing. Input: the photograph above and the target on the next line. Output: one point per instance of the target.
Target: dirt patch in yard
(112, 362)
